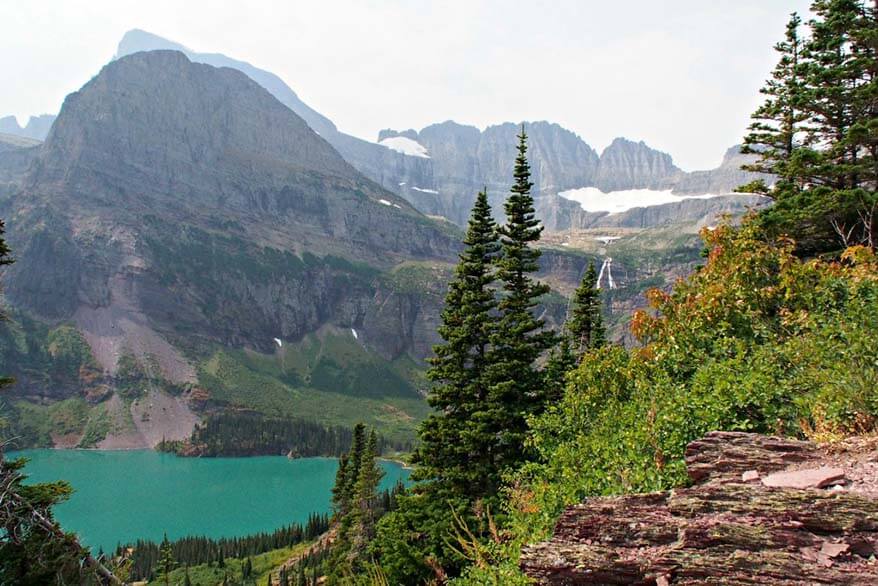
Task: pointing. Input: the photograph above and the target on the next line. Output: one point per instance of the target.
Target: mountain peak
(138, 40)
(168, 115)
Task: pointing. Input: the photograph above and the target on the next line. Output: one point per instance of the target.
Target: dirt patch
(857, 457)
(397, 413)
(122, 328)
(148, 420)
(160, 416)
(66, 441)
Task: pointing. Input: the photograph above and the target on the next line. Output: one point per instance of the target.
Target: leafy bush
(757, 340)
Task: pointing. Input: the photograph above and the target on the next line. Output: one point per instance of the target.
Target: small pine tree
(358, 444)
(365, 513)
(166, 560)
(586, 326)
(340, 504)
(561, 361)
(776, 132)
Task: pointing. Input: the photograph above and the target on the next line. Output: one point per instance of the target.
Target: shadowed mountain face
(176, 197)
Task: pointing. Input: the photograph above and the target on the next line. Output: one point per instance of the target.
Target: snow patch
(405, 146)
(592, 199)
(279, 343)
(354, 332)
(385, 202)
(433, 191)
(606, 239)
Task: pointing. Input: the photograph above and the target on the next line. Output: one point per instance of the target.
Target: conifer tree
(246, 569)
(365, 513)
(519, 338)
(358, 445)
(451, 451)
(777, 130)
(166, 560)
(561, 361)
(340, 504)
(826, 195)
(586, 324)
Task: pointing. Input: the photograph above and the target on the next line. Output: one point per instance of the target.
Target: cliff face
(465, 160)
(763, 510)
(718, 180)
(633, 165)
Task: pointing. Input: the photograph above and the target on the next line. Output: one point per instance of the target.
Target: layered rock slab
(722, 530)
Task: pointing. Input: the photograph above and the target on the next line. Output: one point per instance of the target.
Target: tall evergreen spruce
(586, 323)
(519, 338)
(354, 459)
(166, 561)
(452, 452)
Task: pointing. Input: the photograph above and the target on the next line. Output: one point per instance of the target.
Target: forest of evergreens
(252, 434)
(146, 557)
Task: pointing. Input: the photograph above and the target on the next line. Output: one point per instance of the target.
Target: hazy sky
(682, 75)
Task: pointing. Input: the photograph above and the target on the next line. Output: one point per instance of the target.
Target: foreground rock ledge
(730, 527)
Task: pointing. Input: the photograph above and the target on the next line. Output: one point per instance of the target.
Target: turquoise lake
(124, 495)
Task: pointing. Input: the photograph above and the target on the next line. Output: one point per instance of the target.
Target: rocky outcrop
(16, 155)
(722, 179)
(763, 510)
(626, 164)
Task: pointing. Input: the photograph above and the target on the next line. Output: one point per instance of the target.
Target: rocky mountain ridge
(465, 160)
(37, 127)
(455, 160)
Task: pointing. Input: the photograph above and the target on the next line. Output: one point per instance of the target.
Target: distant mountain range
(440, 168)
(37, 127)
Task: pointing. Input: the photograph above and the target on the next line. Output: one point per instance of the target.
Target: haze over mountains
(440, 168)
